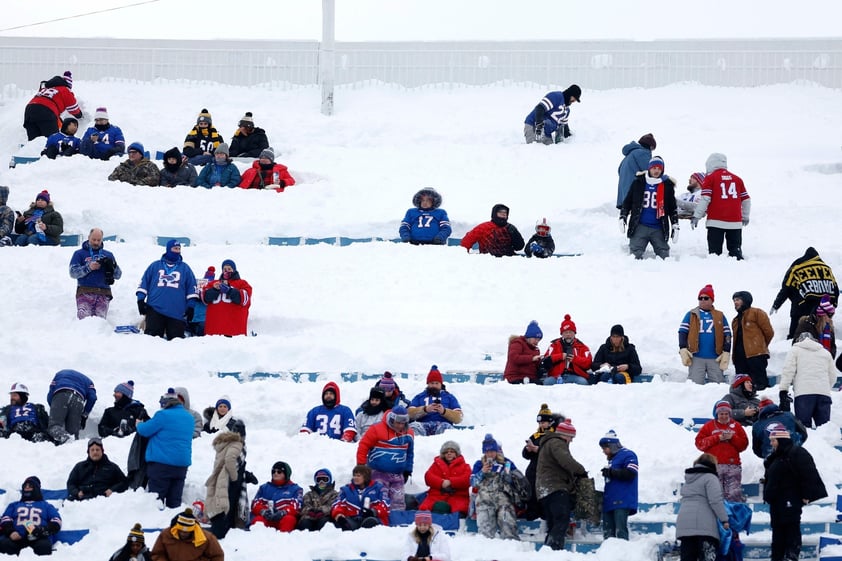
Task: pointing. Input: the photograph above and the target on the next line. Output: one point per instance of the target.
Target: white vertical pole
(327, 53)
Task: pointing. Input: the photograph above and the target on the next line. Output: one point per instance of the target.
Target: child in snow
(541, 244)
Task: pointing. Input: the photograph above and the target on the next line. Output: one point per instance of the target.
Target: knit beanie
(101, 113)
(489, 444)
(423, 517)
(210, 274)
(136, 535)
(125, 388)
(222, 149)
(450, 445)
(533, 331)
(68, 78)
(223, 401)
(609, 439)
(434, 375)
(618, 330)
(268, 153)
(566, 428)
(284, 467)
(204, 117)
(656, 162)
(707, 290)
(387, 383)
(247, 120)
(43, 195)
(721, 406)
(544, 414)
(825, 307)
(740, 379)
(567, 324)
(648, 141)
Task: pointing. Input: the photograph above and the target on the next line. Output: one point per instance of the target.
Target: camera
(107, 265)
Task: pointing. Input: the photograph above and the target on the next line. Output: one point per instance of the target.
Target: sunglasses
(278, 471)
(704, 297)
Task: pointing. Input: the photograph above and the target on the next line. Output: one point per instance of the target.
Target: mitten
(784, 400)
(693, 223)
(266, 513)
(606, 472)
(367, 513)
(724, 360)
(745, 221)
(224, 288)
(536, 248)
(686, 357)
(277, 515)
(622, 224)
(674, 234)
(141, 307)
(406, 476)
(83, 421)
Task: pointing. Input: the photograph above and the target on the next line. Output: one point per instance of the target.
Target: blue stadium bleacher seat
(183, 240)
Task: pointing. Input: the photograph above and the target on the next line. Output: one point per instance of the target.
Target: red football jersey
(727, 193)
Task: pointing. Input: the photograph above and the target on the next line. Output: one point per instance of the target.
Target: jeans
(615, 524)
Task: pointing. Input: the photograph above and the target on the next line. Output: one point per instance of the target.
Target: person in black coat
(648, 210)
(805, 282)
(617, 359)
(121, 419)
(546, 423)
(790, 482)
(97, 476)
(249, 141)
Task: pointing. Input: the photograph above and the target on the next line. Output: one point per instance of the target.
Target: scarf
(218, 423)
(659, 196)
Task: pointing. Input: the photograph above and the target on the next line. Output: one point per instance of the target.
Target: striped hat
(136, 535)
(566, 428)
(68, 78)
(777, 430)
(698, 176)
(423, 517)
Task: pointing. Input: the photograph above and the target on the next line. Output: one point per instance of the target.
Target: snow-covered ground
(384, 306)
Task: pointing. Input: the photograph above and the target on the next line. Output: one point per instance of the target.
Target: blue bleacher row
(533, 531)
(73, 240)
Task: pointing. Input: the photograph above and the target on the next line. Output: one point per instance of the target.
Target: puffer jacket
(458, 472)
(520, 364)
(727, 452)
(809, 369)
(702, 504)
(228, 447)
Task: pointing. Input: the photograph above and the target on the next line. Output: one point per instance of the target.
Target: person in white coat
(427, 541)
(809, 370)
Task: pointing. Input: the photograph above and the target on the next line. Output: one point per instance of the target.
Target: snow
(383, 306)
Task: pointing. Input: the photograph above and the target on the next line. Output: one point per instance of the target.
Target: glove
(39, 532)
(367, 513)
(674, 234)
(188, 314)
(622, 224)
(784, 401)
(686, 357)
(724, 360)
(249, 477)
(277, 515)
(693, 223)
(141, 307)
(745, 221)
(606, 472)
(266, 513)
(539, 130)
(224, 288)
(772, 310)
(536, 248)
(83, 421)
(406, 476)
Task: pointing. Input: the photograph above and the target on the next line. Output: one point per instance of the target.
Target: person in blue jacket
(169, 449)
(103, 140)
(619, 500)
(636, 156)
(29, 522)
(426, 223)
(434, 410)
(221, 172)
(547, 122)
(167, 294)
(95, 270)
(71, 398)
(363, 503)
(65, 142)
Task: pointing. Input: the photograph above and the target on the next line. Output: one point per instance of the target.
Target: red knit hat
(707, 291)
(434, 375)
(566, 428)
(567, 324)
(740, 379)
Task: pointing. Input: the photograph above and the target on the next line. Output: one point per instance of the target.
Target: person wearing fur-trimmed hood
(425, 223)
(177, 170)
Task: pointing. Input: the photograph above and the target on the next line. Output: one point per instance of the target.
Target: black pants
(39, 121)
(557, 507)
(312, 524)
(699, 548)
(159, 325)
(786, 541)
(733, 241)
(41, 546)
(756, 368)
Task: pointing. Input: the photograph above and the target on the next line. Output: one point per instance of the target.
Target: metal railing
(596, 65)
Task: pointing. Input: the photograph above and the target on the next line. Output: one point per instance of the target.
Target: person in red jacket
(228, 300)
(524, 356)
(449, 478)
(42, 116)
(570, 358)
(725, 438)
(497, 237)
(266, 174)
(725, 200)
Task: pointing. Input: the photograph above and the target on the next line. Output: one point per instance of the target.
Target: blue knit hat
(609, 439)
(489, 444)
(656, 161)
(126, 388)
(136, 146)
(223, 401)
(229, 262)
(532, 330)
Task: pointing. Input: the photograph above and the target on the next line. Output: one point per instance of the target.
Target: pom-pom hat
(707, 290)
(545, 414)
(434, 375)
(567, 324)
